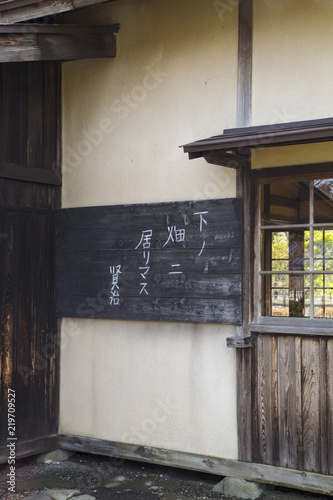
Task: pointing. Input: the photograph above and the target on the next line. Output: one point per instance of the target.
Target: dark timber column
(244, 118)
(244, 88)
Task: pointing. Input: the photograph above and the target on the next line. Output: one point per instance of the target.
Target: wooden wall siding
(29, 102)
(292, 398)
(207, 288)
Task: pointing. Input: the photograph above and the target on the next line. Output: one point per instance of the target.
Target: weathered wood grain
(193, 259)
(311, 404)
(245, 42)
(24, 10)
(28, 341)
(330, 405)
(304, 404)
(289, 402)
(180, 213)
(279, 476)
(226, 311)
(159, 285)
(35, 46)
(268, 400)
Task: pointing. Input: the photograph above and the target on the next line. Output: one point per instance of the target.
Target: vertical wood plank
(289, 402)
(35, 115)
(8, 192)
(244, 403)
(50, 115)
(299, 402)
(22, 138)
(25, 317)
(330, 405)
(7, 304)
(1, 116)
(323, 405)
(267, 394)
(256, 455)
(10, 110)
(311, 404)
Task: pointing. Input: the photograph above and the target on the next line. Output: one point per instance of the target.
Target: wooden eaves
(14, 11)
(46, 42)
(231, 149)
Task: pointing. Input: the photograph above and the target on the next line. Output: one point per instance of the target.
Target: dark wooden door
(29, 197)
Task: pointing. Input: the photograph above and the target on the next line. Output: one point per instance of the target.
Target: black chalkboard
(177, 261)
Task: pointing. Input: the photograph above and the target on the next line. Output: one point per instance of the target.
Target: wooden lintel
(24, 10)
(224, 159)
(29, 174)
(56, 43)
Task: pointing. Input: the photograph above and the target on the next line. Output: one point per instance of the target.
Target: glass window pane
(328, 264)
(285, 202)
(307, 303)
(318, 280)
(307, 244)
(328, 280)
(280, 281)
(328, 237)
(323, 200)
(280, 245)
(318, 236)
(280, 265)
(323, 304)
(280, 303)
(318, 264)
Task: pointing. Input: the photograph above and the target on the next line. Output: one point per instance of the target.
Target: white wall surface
(173, 81)
(292, 60)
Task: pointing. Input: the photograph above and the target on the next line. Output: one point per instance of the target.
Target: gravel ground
(108, 479)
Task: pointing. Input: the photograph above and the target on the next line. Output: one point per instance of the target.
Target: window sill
(293, 326)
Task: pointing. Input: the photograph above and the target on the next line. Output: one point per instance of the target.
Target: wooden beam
(224, 159)
(260, 473)
(24, 10)
(30, 174)
(244, 90)
(32, 42)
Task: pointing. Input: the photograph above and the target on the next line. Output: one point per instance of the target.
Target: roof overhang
(233, 147)
(14, 11)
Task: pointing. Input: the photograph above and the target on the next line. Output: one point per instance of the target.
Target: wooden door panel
(29, 198)
(292, 402)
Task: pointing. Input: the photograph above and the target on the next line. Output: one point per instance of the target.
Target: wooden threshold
(33, 447)
(260, 473)
(30, 174)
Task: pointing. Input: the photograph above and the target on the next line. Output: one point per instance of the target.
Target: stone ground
(89, 477)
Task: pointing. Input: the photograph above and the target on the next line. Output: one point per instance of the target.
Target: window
(296, 248)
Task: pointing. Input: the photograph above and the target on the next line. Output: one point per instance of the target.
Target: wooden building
(190, 295)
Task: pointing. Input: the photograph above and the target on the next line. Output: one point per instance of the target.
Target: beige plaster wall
(168, 385)
(292, 62)
(172, 82)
